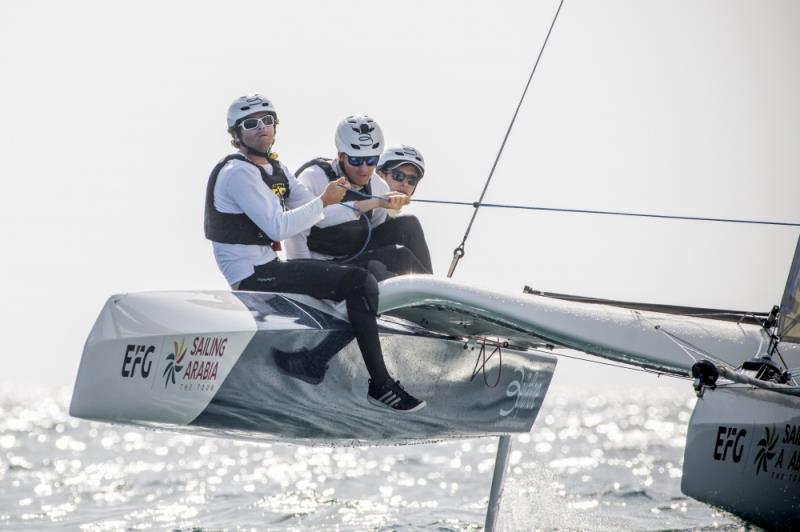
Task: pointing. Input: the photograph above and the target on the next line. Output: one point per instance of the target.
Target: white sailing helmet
(247, 105)
(359, 135)
(399, 154)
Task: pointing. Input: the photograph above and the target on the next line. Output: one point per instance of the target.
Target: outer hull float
(265, 366)
(743, 455)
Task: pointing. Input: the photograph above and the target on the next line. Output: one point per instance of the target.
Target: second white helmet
(359, 135)
(247, 105)
(396, 155)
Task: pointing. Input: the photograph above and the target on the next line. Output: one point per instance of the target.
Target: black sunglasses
(372, 160)
(252, 123)
(399, 176)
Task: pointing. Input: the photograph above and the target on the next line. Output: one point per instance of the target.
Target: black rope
(363, 216)
(611, 213)
(459, 251)
(498, 348)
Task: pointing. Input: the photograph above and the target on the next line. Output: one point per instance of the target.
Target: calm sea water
(592, 462)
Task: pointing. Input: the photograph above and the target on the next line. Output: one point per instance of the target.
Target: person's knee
(364, 291)
(411, 223)
(408, 226)
(404, 261)
(379, 270)
(371, 292)
(405, 257)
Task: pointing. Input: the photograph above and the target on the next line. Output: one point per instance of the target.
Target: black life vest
(230, 228)
(345, 238)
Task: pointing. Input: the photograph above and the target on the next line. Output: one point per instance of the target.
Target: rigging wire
(459, 251)
(688, 348)
(776, 350)
(477, 204)
(611, 364)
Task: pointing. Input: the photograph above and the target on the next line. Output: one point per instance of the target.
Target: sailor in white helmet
(352, 232)
(253, 202)
(402, 167)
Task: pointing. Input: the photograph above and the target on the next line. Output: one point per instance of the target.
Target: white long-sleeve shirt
(240, 190)
(315, 179)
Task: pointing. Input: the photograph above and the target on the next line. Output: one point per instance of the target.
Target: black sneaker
(390, 394)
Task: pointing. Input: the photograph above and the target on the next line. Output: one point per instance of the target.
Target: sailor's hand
(394, 200)
(334, 192)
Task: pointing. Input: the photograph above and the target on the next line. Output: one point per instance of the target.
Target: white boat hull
(743, 455)
(220, 363)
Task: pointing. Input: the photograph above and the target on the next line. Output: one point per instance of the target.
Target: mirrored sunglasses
(399, 176)
(252, 123)
(372, 160)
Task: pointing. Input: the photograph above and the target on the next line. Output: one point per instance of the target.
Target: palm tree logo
(766, 445)
(173, 361)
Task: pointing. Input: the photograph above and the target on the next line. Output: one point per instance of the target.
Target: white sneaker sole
(417, 408)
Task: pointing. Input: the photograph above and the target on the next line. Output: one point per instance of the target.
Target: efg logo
(137, 357)
(729, 439)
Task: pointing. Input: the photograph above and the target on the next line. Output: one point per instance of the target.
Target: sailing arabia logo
(173, 361)
(765, 449)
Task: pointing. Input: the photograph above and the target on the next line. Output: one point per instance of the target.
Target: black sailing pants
(399, 244)
(327, 280)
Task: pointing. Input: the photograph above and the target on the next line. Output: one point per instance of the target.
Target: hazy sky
(114, 114)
